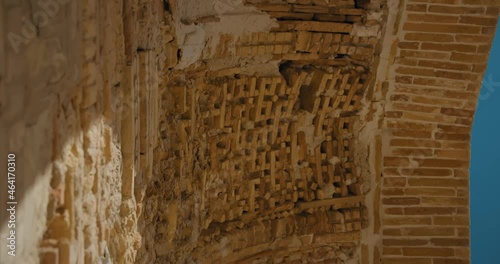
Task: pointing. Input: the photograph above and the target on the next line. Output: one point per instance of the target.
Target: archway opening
(485, 161)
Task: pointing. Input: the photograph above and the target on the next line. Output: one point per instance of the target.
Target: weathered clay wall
(297, 131)
(97, 122)
(259, 136)
(79, 108)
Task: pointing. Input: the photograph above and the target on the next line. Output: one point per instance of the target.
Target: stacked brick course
(440, 54)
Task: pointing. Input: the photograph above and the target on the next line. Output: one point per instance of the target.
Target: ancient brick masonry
(260, 160)
(440, 50)
(283, 131)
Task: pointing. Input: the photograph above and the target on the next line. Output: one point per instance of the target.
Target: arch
(483, 161)
(323, 131)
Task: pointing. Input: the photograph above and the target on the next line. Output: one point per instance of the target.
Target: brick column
(439, 51)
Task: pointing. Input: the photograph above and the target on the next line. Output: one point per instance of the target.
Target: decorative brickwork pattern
(272, 153)
(241, 131)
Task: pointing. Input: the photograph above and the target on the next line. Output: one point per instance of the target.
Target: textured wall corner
(79, 108)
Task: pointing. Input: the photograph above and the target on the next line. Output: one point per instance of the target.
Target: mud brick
(280, 37)
(261, 50)
(355, 188)
(315, 26)
(303, 39)
(318, 170)
(330, 17)
(349, 11)
(315, 43)
(269, 49)
(245, 38)
(311, 9)
(291, 16)
(288, 36)
(256, 114)
(263, 37)
(347, 214)
(242, 51)
(343, 50)
(326, 45)
(340, 228)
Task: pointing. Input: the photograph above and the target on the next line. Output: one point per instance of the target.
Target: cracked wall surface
(241, 131)
(259, 135)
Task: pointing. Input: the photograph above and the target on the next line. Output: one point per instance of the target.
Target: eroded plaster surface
(240, 131)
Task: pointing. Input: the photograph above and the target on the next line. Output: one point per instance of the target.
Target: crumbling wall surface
(157, 132)
(429, 79)
(257, 160)
(79, 109)
(240, 131)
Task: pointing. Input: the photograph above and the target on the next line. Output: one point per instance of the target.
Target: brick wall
(145, 135)
(261, 158)
(438, 51)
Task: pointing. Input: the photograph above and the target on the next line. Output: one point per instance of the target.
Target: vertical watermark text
(11, 204)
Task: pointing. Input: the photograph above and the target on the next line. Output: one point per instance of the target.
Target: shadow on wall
(485, 172)
(68, 99)
(39, 73)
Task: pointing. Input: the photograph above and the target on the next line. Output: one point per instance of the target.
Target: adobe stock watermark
(488, 87)
(30, 27)
(225, 6)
